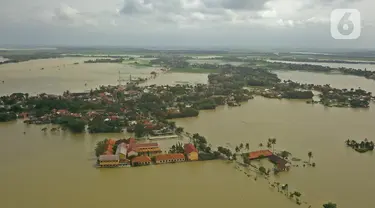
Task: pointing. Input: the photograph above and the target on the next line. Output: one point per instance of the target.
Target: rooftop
(169, 157)
(259, 154)
(108, 157)
(189, 148)
(141, 159)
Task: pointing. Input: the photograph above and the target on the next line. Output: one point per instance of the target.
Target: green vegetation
(73, 124)
(100, 125)
(101, 147)
(192, 70)
(362, 146)
(7, 116)
(330, 205)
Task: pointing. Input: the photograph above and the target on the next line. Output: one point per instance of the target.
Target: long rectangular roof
(108, 157)
(169, 157)
(259, 153)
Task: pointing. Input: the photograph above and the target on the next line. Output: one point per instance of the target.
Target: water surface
(369, 67)
(43, 170)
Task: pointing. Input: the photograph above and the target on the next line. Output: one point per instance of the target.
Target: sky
(181, 23)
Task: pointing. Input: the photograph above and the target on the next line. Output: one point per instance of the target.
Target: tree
(285, 154)
(310, 155)
(272, 141)
(237, 149)
(139, 130)
(241, 146)
(172, 124)
(262, 169)
(179, 130)
(330, 205)
(247, 146)
(101, 147)
(245, 159)
(234, 157)
(260, 145)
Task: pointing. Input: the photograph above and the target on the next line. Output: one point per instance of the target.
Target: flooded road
(43, 170)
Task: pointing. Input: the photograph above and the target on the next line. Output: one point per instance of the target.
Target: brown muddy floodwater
(43, 170)
(59, 75)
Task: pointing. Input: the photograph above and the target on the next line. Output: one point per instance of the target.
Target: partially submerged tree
(310, 155)
(330, 205)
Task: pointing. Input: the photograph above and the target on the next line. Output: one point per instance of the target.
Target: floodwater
(59, 75)
(335, 80)
(369, 67)
(214, 61)
(43, 170)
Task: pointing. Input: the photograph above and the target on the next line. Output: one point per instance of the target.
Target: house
(62, 112)
(149, 149)
(191, 152)
(121, 151)
(141, 160)
(169, 158)
(281, 164)
(124, 163)
(109, 160)
(259, 154)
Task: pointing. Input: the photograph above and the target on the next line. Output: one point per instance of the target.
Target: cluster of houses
(131, 153)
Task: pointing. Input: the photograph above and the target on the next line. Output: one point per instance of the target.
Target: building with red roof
(141, 160)
(191, 152)
(259, 154)
(169, 158)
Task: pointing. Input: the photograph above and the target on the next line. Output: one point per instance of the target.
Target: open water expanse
(44, 170)
(369, 67)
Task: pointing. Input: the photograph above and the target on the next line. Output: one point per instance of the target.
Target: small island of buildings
(130, 152)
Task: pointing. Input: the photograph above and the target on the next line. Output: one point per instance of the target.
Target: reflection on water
(43, 170)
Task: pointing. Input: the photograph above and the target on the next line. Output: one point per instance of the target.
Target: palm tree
(260, 145)
(247, 146)
(269, 145)
(272, 141)
(241, 146)
(310, 155)
(237, 149)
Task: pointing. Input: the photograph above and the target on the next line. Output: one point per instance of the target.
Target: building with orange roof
(191, 152)
(147, 149)
(169, 158)
(259, 154)
(141, 160)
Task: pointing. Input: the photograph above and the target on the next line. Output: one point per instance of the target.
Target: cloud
(224, 21)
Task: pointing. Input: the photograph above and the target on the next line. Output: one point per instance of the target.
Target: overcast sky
(205, 23)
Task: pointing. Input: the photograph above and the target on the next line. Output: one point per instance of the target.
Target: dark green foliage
(298, 94)
(98, 125)
(75, 125)
(10, 116)
(330, 205)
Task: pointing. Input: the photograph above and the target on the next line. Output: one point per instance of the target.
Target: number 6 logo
(345, 24)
